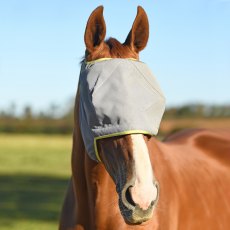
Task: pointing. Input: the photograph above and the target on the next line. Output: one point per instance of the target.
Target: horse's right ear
(95, 29)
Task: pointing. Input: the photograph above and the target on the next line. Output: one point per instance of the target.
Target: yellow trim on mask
(105, 59)
(115, 135)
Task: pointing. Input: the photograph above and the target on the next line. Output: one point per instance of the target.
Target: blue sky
(41, 45)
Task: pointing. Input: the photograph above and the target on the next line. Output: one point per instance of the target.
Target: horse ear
(95, 29)
(138, 36)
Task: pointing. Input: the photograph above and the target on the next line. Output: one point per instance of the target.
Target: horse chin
(135, 215)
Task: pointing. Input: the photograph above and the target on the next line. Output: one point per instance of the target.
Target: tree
(27, 114)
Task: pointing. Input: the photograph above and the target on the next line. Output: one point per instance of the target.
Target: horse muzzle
(133, 212)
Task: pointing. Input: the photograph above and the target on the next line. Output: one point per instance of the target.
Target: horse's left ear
(95, 30)
(138, 36)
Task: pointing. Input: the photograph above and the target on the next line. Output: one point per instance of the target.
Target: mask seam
(148, 82)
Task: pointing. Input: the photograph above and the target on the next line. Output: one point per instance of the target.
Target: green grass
(34, 173)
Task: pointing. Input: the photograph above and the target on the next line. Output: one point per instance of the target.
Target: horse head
(121, 106)
(118, 109)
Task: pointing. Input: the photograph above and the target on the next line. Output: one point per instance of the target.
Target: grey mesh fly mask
(118, 97)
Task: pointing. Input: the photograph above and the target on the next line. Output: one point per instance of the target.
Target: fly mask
(117, 97)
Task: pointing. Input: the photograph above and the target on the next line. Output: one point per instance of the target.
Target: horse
(180, 183)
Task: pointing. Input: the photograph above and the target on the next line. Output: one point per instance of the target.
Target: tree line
(52, 121)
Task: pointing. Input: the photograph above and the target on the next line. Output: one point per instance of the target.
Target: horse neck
(90, 179)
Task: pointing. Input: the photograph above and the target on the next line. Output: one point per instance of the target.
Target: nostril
(129, 197)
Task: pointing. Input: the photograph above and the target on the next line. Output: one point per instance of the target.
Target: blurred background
(41, 46)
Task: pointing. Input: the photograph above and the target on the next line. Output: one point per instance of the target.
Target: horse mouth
(136, 215)
(132, 213)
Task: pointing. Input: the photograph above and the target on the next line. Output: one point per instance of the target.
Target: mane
(119, 50)
(116, 50)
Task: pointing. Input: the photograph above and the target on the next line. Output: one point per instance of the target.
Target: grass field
(34, 172)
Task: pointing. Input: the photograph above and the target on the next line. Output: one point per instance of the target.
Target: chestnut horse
(121, 192)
